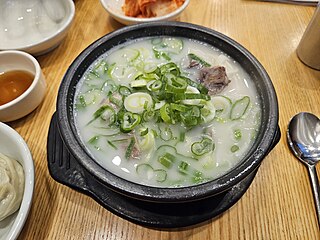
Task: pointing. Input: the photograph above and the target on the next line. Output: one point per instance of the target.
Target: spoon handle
(315, 189)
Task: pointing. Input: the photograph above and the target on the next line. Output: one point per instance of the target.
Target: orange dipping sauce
(13, 84)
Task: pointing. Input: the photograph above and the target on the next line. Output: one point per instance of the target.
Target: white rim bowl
(32, 97)
(51, 41)
(13, 145)
(113, 7)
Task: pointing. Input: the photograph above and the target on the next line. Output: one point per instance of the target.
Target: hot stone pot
(71, 164)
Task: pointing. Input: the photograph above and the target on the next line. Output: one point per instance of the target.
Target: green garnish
(130, 148)
(93, 140)
(144, 132)
(237, 134)
(167, 160)
(234, 148)
(204, 146)
(199, 60)
(112, 145)
(239, 108)
(129, 121)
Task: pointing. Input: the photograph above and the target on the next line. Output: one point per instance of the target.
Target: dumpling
(11, 186)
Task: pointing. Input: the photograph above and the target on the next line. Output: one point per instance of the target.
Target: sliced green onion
(237, 134)
(149, 67)
(208, 112)
(183, 167)
(161, 175)
(92, 76)
(158, 105)
(105, 112)
(156, 53)
(183, 96)
(203, 147)
(120, 140)
(156, 41)
(199, 60)
(94, 82)
(222, 105)
(179, 107)
(167, 160)
(170, 68)
(239, 108)
(147, 115)
(197, 85)
(124, 91)
(165, 113)
(130, 148)
(101, 68)
(191, 89)
(145, 171)
(175, 84)
(154, 86)
(91, 97)
(130, 54)
(198, 177)
(234, 148)
(109, 87)
(147, 141)
(115, 99)
(82, 102)
(165, 56)
(129, 121)
(112, 145)
(144, 132)
(135, 102)
(192, 117)
(159, 54)
(175, 45)
(169, 44)
(93, 140)
(138, 83)
(165, 133)
(182, 137)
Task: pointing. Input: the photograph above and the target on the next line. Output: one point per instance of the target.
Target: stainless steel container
(308, 49)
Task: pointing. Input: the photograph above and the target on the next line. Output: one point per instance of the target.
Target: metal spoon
(304, 140)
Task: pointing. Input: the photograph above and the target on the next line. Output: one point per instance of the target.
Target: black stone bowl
(267, 138)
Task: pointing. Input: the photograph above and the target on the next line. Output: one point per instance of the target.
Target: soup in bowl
(157, 112)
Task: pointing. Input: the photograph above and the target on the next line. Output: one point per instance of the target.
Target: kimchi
(150, 8)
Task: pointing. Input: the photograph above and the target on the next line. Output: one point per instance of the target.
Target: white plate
(114, 8)
(13, 145)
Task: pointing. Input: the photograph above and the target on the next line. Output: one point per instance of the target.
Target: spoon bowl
(304, 135)
(304, 141)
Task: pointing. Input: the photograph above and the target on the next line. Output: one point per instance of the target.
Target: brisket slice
(214, 79)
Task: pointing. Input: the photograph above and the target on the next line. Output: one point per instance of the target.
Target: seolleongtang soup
(166, 111)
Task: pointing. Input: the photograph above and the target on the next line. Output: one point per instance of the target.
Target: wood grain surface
(278, 204)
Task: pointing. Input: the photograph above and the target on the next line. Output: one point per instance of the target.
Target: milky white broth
(231, 138)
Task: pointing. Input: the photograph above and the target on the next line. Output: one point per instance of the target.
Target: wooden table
(278, 204)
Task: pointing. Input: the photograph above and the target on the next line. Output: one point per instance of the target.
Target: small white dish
(114, 8)
(34, 26)
(32, 97)
(13, 145)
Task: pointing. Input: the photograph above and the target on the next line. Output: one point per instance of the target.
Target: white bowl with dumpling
(34, 26)
(16, 182)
